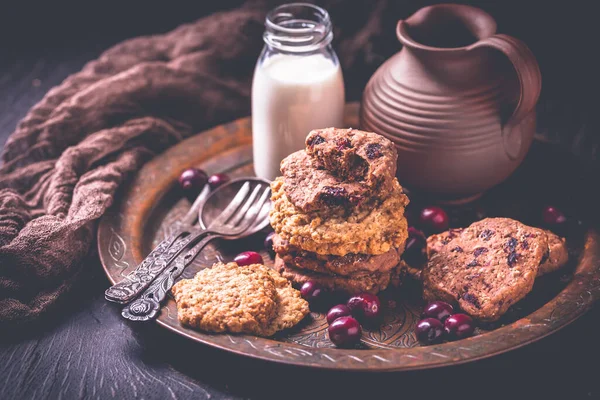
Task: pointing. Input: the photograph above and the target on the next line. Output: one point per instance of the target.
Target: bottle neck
(298, 28)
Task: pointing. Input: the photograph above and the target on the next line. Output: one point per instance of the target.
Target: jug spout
(445, 28)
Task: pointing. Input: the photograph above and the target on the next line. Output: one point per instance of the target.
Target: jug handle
(530, 82)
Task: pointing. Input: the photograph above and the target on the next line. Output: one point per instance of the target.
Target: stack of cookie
(338, 212)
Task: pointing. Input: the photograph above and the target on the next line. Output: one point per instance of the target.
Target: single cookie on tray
(227, 298)
(239, 299)
(373, 282)
(326, 264)
(486, 267)
(353, 155)
(374, 230)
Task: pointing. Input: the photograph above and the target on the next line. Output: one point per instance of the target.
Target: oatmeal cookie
(239, 299)
(347, 265)
(486, 267)
(354, 155)
(227, 298)
(557, 256)
(363, 282)
(374, 230)
(291, 307)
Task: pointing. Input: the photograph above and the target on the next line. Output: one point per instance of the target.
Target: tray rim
(587, 278)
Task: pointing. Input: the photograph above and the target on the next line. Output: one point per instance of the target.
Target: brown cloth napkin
(73, 150)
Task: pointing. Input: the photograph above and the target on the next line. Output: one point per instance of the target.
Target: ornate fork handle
(147, 306)
(153, 264)
(141, 277)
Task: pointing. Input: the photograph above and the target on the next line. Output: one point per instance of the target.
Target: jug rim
(480, 23)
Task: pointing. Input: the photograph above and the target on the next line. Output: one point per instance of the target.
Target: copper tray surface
(142, 217)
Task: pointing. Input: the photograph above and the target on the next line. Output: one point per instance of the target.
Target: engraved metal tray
(142, 218)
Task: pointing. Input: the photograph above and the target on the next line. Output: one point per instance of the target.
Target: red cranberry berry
(192, 181)
(365, 306)
(439, 310)
(247, 258)
(459, 326)
(415, 249)
(341, 310)
(217, 180)
(552, 216)
(429, 331)
(312, 291)
(335, 196)
(434, 219)
(268, 244)
(345, 332)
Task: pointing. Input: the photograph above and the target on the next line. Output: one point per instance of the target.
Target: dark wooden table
(87, 351)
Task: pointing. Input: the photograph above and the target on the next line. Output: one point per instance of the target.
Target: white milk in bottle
(297, 86)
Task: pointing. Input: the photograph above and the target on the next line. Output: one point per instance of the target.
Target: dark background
(562, 34)
(87, 351)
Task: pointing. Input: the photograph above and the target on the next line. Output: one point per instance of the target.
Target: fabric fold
(87, 137)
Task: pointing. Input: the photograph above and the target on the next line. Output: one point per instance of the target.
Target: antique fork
(135, 281)
(147, 306)
(140, 278)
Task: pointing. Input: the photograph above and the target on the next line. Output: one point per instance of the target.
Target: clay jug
(458, 101)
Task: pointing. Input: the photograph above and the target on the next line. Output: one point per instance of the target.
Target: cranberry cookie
(346, 265)
(353, 155)
(374, 282)
(311, 189)
(486, 267)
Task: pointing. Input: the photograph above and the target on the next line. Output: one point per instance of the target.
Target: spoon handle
(152, 266)
(147, 306)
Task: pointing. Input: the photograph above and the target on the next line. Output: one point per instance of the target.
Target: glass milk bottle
(297, 86)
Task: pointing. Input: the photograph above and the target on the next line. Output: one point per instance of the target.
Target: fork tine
(233, 206)
(237, 217)
(253, 212)
(264, 212)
